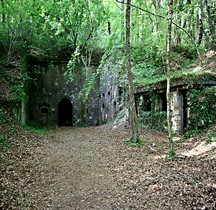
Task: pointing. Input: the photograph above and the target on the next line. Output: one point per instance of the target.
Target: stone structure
(108, 92)
(55, 100)
(177, 104)
(152, 105)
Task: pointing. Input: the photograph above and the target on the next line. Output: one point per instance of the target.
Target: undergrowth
(207, 134)
(192, 133)
(172, 155)
(211, 135)
(35, 130)
(139, 142)
(4, 145)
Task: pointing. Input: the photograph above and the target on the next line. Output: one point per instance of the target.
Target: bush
(153, 120)
(201, 108)
(3, 118)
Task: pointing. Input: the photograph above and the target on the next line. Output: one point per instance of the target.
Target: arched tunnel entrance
(65, 113)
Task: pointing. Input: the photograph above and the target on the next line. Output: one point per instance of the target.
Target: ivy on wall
(153, 119)
(201, 107)
(201, 110)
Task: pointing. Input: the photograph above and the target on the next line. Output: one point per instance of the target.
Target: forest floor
(91, 168)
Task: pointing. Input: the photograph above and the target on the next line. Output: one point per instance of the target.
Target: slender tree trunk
(109, 27)
(122, 22)
(200, 16)
(178, 18)
(211, 25)
(3, 12)
(133, 115)
(174, 23)
(168, 95)
(156, 7)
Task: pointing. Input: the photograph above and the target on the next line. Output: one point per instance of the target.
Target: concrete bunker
(65, 112)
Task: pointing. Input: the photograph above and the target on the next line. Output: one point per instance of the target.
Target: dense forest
(152, 41)
(53, 31)
(154, 58)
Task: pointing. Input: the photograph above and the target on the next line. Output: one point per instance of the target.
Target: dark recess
(65, 113)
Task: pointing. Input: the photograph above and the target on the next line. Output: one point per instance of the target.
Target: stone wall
(109, 92)
(177, 104)
(51, 89)
(151, 108)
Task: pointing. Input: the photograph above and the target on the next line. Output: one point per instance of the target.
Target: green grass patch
(211, 136)
(130, 142)
(171, 156)
(36, 130)
(3, 143)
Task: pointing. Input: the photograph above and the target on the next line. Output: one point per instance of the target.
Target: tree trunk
(168, 95)
(3, 12)
(211, 25)
(200, 16)
(109, 27)
(122, 22)
(133, 115)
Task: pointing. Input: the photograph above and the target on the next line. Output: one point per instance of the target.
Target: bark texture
(133, 115)
(211, 25)
(200, 15)
(169, 114)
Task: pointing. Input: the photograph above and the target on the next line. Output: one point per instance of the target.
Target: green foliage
(170, 156)
(3, 118)
(186, 50)
(192, 133)
(48, 32)
(4, 145)
(143, 71)
(72, 63)
(18, 92)
(211, 136)
(36, 130)
(202, 109)
(147, 60)
(153, 120)
(130, 142)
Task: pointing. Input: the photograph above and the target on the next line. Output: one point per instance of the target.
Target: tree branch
(174, 23)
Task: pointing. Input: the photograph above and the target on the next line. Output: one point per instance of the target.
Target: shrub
(201, 108)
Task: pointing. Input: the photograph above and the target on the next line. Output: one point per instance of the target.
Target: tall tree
(133, 115)
(200, 16)
(3, 11)
(168, 95)
(211, 25)
(122, 23)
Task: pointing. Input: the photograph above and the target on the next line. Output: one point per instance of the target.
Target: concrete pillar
(177, 112)
(158, 103)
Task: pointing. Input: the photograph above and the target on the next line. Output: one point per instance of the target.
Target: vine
(153, 119)
(202, 108)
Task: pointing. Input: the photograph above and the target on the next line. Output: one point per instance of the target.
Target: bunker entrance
(65, 112)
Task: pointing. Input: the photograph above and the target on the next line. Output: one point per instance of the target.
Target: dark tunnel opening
(65, 113)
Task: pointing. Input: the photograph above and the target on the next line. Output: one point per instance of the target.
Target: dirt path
(90, 168)
(77, 164)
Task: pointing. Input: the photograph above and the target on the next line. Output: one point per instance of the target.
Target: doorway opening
(65, 113)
